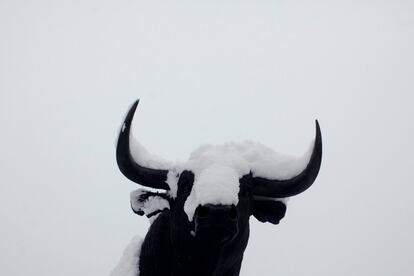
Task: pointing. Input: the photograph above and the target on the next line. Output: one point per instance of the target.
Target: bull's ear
(267, 210)
(144, 202)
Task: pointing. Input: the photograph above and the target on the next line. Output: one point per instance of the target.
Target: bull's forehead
(216, 184)
(217, 172)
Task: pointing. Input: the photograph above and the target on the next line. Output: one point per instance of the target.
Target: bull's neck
(207, 259)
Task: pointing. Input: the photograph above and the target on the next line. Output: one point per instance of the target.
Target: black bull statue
(213, 242)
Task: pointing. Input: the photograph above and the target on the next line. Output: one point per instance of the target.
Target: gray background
(206, 71)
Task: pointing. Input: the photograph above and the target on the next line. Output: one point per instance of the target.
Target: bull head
(257, 194)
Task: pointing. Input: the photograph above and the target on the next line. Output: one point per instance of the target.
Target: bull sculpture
(196, 232)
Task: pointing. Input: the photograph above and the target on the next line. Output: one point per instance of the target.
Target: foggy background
(206, 72)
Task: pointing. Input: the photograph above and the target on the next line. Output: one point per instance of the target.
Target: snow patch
(172, 181)
(145, 158)
(214, 185)
(129, 263)
(148, 204)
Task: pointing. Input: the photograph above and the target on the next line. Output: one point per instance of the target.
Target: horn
(150, 177)
(289, 187)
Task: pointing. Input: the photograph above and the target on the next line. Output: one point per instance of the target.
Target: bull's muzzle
(216, 222)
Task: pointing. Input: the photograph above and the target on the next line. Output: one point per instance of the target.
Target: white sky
(206, 71)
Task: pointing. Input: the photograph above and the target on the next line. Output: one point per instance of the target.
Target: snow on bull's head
(220, 186)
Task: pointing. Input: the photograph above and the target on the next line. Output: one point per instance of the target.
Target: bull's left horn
(150, 177)
(289, 187)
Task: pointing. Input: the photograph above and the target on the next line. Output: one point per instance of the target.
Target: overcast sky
(206, 72)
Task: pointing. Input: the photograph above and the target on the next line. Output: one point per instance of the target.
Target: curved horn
(297, 184)
(149, 177)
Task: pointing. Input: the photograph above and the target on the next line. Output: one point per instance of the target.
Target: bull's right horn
(280, 188)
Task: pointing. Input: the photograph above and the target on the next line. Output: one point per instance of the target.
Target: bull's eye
(202, 212)
(233, 212)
